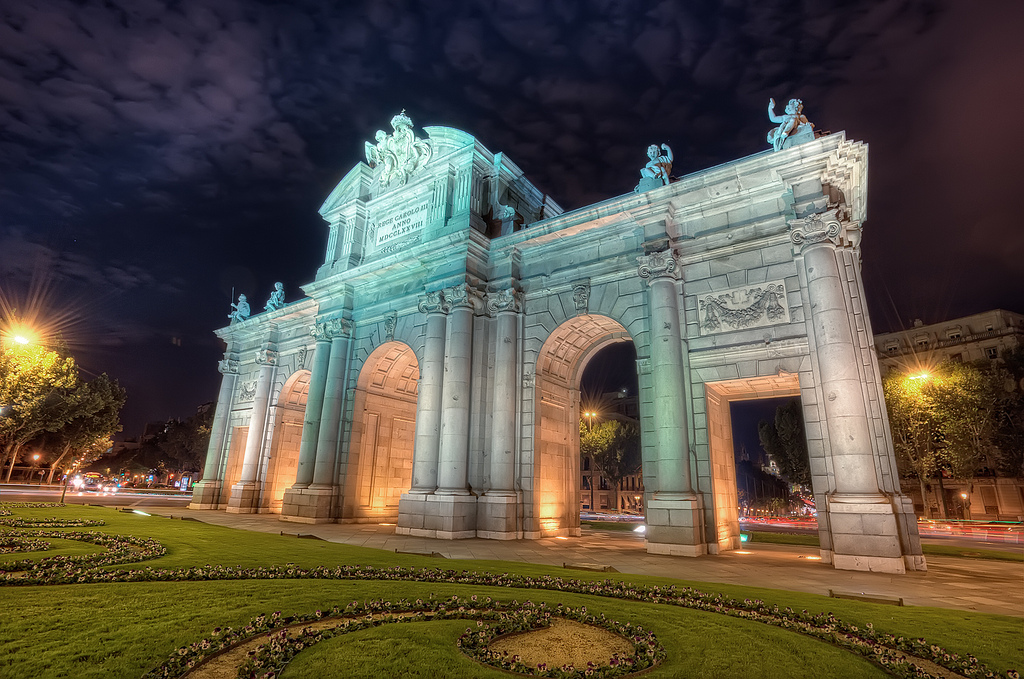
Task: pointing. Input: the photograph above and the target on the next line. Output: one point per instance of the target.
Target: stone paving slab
(950, 582)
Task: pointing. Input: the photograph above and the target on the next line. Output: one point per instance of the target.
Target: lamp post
(35, 465)
(966, 505)
(590, 428)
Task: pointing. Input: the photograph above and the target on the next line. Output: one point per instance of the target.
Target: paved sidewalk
(961, 583)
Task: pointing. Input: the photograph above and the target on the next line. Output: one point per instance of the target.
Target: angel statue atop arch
(793, 121)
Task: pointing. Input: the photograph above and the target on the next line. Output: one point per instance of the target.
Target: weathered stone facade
(436, 361)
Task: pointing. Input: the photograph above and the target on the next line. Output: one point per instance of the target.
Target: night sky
(154, 155)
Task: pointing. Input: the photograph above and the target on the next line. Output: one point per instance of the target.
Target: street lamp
(35, 465)
(967, 506)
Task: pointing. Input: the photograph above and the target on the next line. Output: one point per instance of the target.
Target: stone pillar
(245, 494)
(299, 504)
(861, 519)
(321, 332)
(334, 397)
(498, 507)
(674, 511)
(206, 493)
(428, 402)
(453, 463)
(450, 511)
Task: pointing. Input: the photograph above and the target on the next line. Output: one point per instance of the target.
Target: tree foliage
(614, 449)
(785, 442)
(34, 385)
(93, 417)
(946, 420)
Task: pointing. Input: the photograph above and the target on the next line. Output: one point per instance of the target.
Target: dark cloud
(155, 154)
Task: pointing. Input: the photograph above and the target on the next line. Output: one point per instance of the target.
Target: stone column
(206, 493)
(498, 508)
(505, 306)
(321, 332)
(330, 424)
(673, 513)
(428, 401)
(300, 504)
(453, 456)
(245, 493)
(861, 519)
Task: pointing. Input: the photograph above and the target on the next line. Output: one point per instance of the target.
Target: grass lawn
(124, 629)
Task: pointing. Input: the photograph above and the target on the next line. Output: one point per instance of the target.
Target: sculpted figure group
(793, 128)
(241, 311)
(399, 154)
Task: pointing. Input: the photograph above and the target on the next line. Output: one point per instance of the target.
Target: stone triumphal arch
(430, 376)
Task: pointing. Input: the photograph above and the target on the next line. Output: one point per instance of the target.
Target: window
(921, 341)
(892, 347)
(992, 352)
(953, 333)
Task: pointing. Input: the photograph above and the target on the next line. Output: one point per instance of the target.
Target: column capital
(463, 295)
(327, 330)
(657, 266)
(820, 227)
(266, 357)
(228, 366)
(433, 302)
(504, 300)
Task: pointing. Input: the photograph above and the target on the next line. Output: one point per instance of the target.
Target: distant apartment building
(980, 336)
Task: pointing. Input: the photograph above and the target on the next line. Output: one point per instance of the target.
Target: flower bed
(52, 523)
(10, 544)
(493, 618)
(70, 569)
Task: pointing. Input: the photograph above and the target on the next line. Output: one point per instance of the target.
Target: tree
(94, 415)
(914, 427)
(786, 444)
(614, 450)
(964, 403)
(186, 442)
(1008, 416)
(34, 382)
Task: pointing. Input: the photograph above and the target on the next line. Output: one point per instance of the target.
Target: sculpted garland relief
(741, 308)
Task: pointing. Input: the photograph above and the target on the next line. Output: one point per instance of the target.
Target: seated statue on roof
(793, 129)
(657, 170)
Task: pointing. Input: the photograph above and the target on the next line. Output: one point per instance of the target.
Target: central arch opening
(559, 476)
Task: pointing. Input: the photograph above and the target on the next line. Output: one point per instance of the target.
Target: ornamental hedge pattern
(900, 656)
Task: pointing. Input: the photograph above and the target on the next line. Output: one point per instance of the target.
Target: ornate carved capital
(581, 297)
(433, 302)
(658, 265)
(462, 295)
(504, 300)
(266, 357)
(817, 228)
(325, 331)
(228, 366)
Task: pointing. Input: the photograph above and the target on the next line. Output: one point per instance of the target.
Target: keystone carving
(581, 297)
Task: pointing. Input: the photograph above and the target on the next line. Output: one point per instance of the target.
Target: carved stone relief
(581, 297)
(504, 300)
(750, 306)
(389, 326)
(247, 392)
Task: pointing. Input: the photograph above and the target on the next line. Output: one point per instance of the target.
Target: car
(91, 485)
(110, 486)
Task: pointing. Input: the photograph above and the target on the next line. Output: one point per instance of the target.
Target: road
(138, 498)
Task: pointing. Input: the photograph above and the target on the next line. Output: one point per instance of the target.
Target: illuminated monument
(431, 375)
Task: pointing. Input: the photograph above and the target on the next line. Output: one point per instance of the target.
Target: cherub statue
(241, 310)
(276, 300)
(657, 170)
(789, 123)
(659, 166)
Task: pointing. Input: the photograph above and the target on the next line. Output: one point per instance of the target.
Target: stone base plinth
(865, 534)
(206, 495)
(244, 498)
(308, 505)
(446, 517)
(674, 526)
(497, 517)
